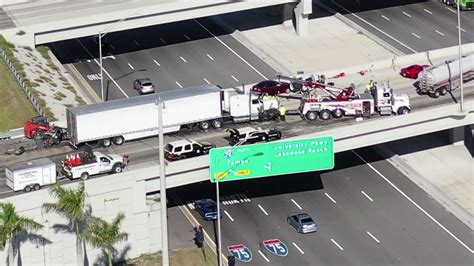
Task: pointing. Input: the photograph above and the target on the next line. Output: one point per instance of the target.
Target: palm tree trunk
(109, 255)
(79, 253)
(11, 255)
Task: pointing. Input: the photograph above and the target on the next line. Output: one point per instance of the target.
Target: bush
(28, 48)
(21, 32)
(43, 50)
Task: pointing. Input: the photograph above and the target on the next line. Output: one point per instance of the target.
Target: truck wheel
(325, 114)
(311, 115)
(204, 125)
(117, 168)
(85, 176)
(27, 189)
(105, 143)
(36, 187)
(217, 123)
(435, 94)
(443, 91)
(403, 110)
(338, 113)
(118, 140)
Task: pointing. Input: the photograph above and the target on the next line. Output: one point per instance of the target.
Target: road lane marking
(179, 85)
(230, 49)
(131, 66)
(406, 14)
(207, 81)
(261, 253)
(376, 240)
(5, 192)
(337, 244)
(297, 205)
(210, 57)
(228, 215)
(413, 202)
(182, 58)
(463, 30)
(366, 195)
(162, 40)
(92, 77)
(187, 37)
(415, 35)
(368, 23)
(439, 32)
(156, 62)
(427, 11)
(452, 10)
(298, 248)
(136, 43)
(327, 195)
(263, 210)
(385, 17)
(191, 206)
(232, 76)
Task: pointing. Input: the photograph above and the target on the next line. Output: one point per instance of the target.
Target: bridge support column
(287, 15)
(456, 136)
(302, 12)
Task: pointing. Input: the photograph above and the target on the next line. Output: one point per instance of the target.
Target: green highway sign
(272, 158)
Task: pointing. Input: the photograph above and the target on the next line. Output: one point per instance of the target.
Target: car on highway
(249, 135)
(143, 86)
(186, 148)
(302, 222)
(207, 208)
(412, 71)
(271, 87)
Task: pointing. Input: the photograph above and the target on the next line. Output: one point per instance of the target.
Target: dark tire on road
(311, 115)
(435, 94)
(36, 187)
(204, 125)
(338, 113)
(27, 189)
(403, 110)
(118, 168)
(118, 140)
(443, 91)
(105, 143)
(85, 176)
(325, 114)
(217, 123)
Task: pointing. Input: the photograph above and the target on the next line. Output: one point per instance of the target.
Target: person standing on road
(282, 111)
(125, 162)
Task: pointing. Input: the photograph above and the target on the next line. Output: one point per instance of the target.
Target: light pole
(101, 35)
(460, 58)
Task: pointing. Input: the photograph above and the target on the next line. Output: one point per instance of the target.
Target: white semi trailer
(117, 121)
(442, 78)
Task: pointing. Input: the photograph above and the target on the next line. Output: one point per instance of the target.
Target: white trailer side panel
(40, 171)
(440, 73)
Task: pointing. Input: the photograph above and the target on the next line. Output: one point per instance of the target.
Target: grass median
(182, 257)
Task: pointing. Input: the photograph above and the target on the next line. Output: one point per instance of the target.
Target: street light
(460, 57)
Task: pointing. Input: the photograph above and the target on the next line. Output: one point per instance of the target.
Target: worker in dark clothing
(126, 160)
(199, 236)
(231, 260)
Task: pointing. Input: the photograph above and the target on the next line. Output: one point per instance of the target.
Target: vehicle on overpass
(87, 163)
(186, 148)
(463, 4)
(250, 135)
(412, 71)
(302, 222)
(31, 175)
(271, 87)
(380, 99)
(40, 128)
(442, 78)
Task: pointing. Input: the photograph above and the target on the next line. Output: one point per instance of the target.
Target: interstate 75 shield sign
(240, 252)
(276, 247)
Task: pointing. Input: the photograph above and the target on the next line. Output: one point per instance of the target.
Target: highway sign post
(270, 159)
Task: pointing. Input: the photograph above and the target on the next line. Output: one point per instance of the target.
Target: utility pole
(163, 199)
(461, 85)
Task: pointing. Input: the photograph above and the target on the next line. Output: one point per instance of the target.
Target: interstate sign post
(272, 158)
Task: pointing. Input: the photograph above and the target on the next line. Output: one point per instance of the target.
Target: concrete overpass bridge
(63, 20)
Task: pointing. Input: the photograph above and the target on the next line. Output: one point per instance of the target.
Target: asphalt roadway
(368, 213)
(410, 26)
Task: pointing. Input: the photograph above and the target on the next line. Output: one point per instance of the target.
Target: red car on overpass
(412, 71)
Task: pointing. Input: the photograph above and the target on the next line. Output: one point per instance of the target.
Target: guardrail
(12, 134)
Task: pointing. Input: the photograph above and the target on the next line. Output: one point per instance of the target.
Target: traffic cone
(77, 160)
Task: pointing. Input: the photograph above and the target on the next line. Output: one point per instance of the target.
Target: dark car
(271, 87)
(187, 148)
(207, 208)
(249, 135)
(302, 222)
(412, 71)
(143, 86)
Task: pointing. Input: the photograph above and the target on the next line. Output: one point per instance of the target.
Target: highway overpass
(69, 20)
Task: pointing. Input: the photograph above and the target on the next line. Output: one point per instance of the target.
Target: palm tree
(71, 205)
(10, 225)
(101, 234)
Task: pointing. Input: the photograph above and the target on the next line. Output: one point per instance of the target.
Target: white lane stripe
(5, 192)
(365, 194)
(452, 10)
(210, 57)
(228, 215)
(297, 205)
(162, 40)
(373, 237)
(298, 248)
(263, 210)
(427, 11)
(415, 35)
(182, 58)
(232, 76)
(327, 195)
(337, 244)
(261, 253)
(177, 83)
(187, 37)
(368, 23)
(385, 17)
(136, 42)
(207, 81)
(156, 62)
(406, 14)
(131, 66)
(413, 202)
(230, 49)
(463, 30)
(439, 32)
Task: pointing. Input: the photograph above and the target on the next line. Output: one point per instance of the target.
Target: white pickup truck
(91, 164)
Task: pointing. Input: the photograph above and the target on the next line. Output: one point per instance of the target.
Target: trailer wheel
(217, 123)
(204, 125)
(105, 143)
(403, 110)
(36, 187)
(435, 94)
(27, 189)
(118, 140)
(338, 113)
(311, 115)
(117, 168)
(325, 114)
(443, 91)
(85, 176)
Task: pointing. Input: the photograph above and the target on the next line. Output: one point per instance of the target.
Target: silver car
(302, 222)
(143, 86)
